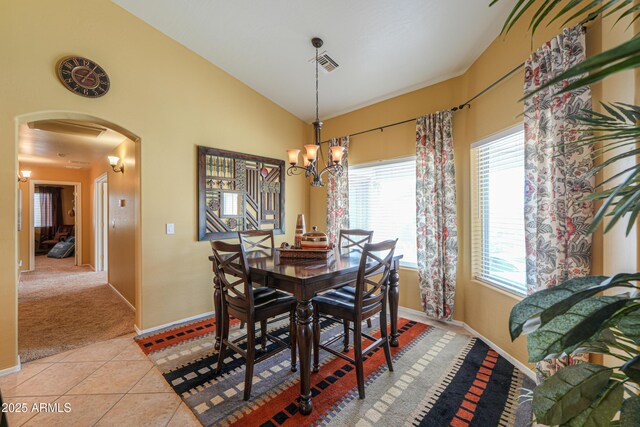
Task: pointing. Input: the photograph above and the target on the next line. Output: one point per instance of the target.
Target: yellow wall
(122, 222)
(43, 173)
(169, 97)
(483, 307)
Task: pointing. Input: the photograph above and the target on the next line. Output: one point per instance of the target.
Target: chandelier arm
(298, 170)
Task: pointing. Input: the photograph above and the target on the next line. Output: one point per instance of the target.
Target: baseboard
(521, 366)
(176, 322)
(122, 296)
(11, 370)
(90, 266)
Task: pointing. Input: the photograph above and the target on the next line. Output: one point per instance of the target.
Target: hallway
(62, 307)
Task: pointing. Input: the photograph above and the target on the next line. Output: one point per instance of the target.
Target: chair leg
(263, 334)
(316, 340)
(346, 335)
(385, 336)
(357, 350)
(292, 339)
(251, 352)
(242, 324)
(224, 338)
(369, 323)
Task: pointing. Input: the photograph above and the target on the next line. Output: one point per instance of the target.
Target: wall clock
(83, 76)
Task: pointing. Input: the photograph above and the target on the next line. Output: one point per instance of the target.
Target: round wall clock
(83, 76)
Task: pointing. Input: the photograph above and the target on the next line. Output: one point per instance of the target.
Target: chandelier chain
(317, 115)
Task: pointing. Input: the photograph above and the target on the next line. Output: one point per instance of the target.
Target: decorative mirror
(238, 192)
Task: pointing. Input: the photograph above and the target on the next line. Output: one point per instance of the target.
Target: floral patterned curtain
(338, 194)
(556, 216)
(437, 235)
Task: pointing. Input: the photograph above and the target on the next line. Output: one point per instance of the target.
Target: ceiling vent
(68, 127)
(325, 61)
(79, 162)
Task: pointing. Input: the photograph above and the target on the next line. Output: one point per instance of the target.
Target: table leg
(394, 278)
(305, 332)
(217, 306)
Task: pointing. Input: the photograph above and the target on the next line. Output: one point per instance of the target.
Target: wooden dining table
(304, 278)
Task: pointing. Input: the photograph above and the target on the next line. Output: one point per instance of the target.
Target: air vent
(68, 127)
(79, 162)
(325, 61)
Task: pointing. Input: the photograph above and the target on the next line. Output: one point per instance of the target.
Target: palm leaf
(619, 130)
(577, 8)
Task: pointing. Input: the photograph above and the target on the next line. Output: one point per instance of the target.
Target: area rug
(62, 306)
(440, 378)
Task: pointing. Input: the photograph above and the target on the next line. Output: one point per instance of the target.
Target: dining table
(304, 278)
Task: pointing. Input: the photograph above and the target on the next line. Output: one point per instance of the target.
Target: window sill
(500, 289)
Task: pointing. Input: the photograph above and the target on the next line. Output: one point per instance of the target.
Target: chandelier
(313, 159)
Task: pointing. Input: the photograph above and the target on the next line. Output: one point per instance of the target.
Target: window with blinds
(498, 246)
(382, 198)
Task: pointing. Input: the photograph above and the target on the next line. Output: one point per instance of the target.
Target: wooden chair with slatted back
(253, 240)
(242, 301)
(354, 239)
(370, 298)
(256, 239)
(349, 240)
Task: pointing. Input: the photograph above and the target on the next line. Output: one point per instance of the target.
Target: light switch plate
(170, 229)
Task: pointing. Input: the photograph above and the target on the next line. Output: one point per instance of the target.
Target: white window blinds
(498, 245)
(382, 198)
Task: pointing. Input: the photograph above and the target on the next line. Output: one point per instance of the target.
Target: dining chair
(256, 239)
(349, 240)
(242, 301)
(253, 240)
(370, 298)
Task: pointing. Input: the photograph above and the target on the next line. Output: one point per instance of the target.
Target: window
(498, 244)
(42, 214)
(382, 198)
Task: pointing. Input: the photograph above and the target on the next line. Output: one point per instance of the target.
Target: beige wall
(43, 173)
(168, 96)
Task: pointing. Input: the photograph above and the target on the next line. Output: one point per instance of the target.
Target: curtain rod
(461, 106)
(457, 108)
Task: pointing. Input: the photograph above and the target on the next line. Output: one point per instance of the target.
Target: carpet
(62, 306)
(440, 378)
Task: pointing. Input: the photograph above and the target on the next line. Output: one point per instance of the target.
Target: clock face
(83, 76)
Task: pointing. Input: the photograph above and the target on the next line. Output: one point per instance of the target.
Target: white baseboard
(521, 366)
(166, 325)
(11, 370)
(122, 296)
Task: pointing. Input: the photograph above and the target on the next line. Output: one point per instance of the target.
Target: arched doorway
(123, 217)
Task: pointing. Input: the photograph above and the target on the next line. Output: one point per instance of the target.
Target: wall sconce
(116, 164)
(24, 176)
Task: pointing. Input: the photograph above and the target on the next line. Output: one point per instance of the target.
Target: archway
(131, 163)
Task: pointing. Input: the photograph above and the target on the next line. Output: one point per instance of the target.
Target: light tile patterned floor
(111, 383)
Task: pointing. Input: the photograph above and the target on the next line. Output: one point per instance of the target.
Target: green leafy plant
(575, 317)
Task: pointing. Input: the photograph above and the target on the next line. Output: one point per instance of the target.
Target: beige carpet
(61, 307)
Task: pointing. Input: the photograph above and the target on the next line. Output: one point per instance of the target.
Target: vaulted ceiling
(383, 48)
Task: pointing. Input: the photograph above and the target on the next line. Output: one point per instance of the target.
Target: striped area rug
(440, 378)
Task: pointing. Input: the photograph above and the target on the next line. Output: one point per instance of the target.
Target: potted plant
(575, 317)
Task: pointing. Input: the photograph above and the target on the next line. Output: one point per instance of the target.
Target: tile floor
(111, 383)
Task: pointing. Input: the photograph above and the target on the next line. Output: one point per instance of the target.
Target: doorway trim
(101, 262)
(77, 189)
